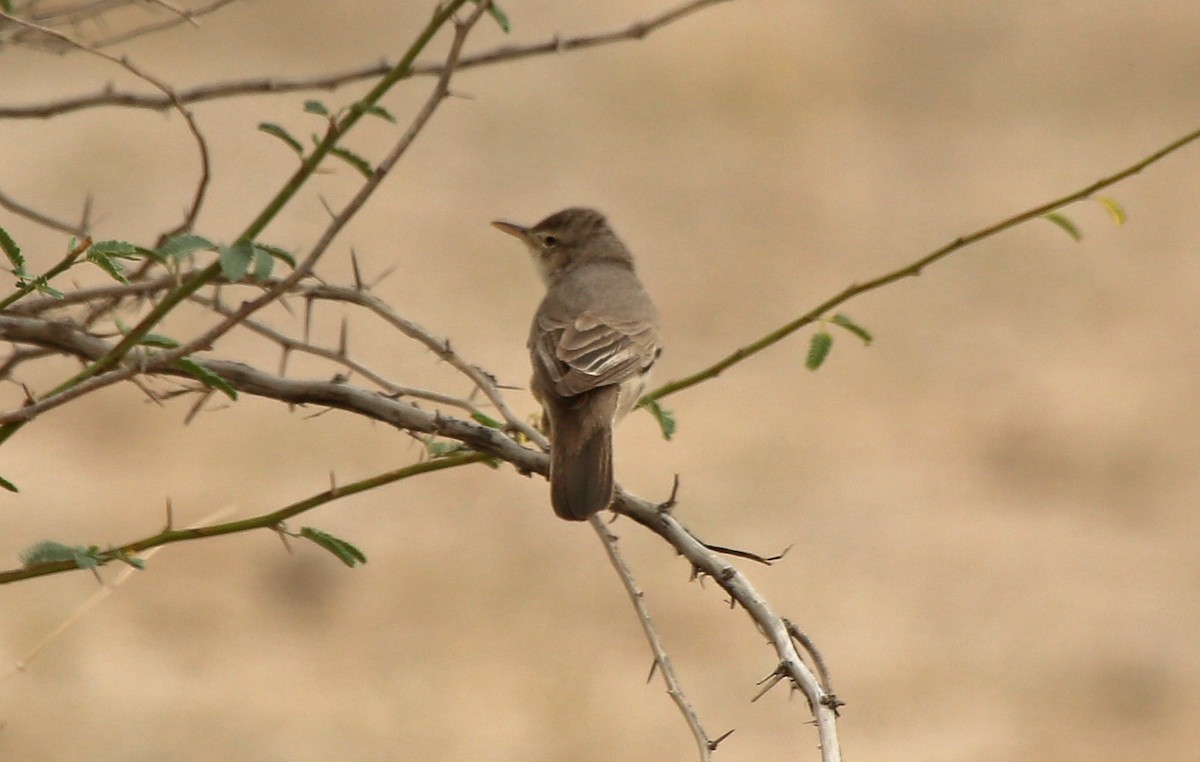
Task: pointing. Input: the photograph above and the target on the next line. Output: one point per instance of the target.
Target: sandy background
(993, 508)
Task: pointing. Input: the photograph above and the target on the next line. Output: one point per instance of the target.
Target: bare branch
(161, 86)
(44, 220)
(739, 588)
(290, 344)
(705, 745)
(183, 16)
(635, 31)
(73, 14)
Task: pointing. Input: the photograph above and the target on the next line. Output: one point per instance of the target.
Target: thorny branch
(914, 268)
(41, 328)
(172, 100)
(662, 662)
(109, 97)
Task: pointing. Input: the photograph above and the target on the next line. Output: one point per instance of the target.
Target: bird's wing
(592, 351)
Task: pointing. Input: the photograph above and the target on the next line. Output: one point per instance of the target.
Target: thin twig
(705, 745)
(440, 346)
(635, 31)
(158, 84)
(34, 215)
(289, 344)
(912, 269)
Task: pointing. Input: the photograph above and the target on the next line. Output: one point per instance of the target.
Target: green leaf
(157, 340)
(206, 377)
(346, 553)
(6, 484)
(119, 249)
(491, 423)
(274, 129)
(316, 107)
(124, 557)
(182, 245)
(362, 165)
(373, 110)
(499, 15)
(1065, 223)
(6, 6)
(42, 286)
(666, 420)
(49, 551)
(845, 322)
(12, 251)
(236, 259)
(1115, 210)
(263, 264)
(818, 349)
(278, 253)
(109, 265)
(438, 448)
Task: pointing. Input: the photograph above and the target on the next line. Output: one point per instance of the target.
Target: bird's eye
(549, 240)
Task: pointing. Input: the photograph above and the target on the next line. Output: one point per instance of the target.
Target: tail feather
(581, 472)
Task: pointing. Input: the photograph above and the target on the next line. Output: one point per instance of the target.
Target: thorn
(381, 277)
(328, 209)
(170, 517)
(308, 309)
(147, 391)
(653, 669)
(283, 361)
(669, 503)
(85, 219)
(282, 533)
(769, 682)
(358, 281)
(712, 745)
(195, 409)
(342, 338)
(333, 488)
(282, 301)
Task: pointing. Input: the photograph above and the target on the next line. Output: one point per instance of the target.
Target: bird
(592, 342)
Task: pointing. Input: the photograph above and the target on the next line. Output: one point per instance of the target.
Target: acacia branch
(271, 520)
(485, 441)
(172, 101)
(911, 270)
(108, 97)
(791, 665)
(662, 661)
(101, 372)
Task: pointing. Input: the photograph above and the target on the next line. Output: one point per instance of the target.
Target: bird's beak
(513, 229)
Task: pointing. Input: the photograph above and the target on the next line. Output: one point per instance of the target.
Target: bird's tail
(581, 471)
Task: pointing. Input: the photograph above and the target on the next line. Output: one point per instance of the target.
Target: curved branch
(172, 99)
(823, 704)
(634, 31)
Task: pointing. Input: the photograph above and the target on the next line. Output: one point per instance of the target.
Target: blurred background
(992, 509)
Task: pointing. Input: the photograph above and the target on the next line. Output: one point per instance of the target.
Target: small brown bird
(593, 340)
